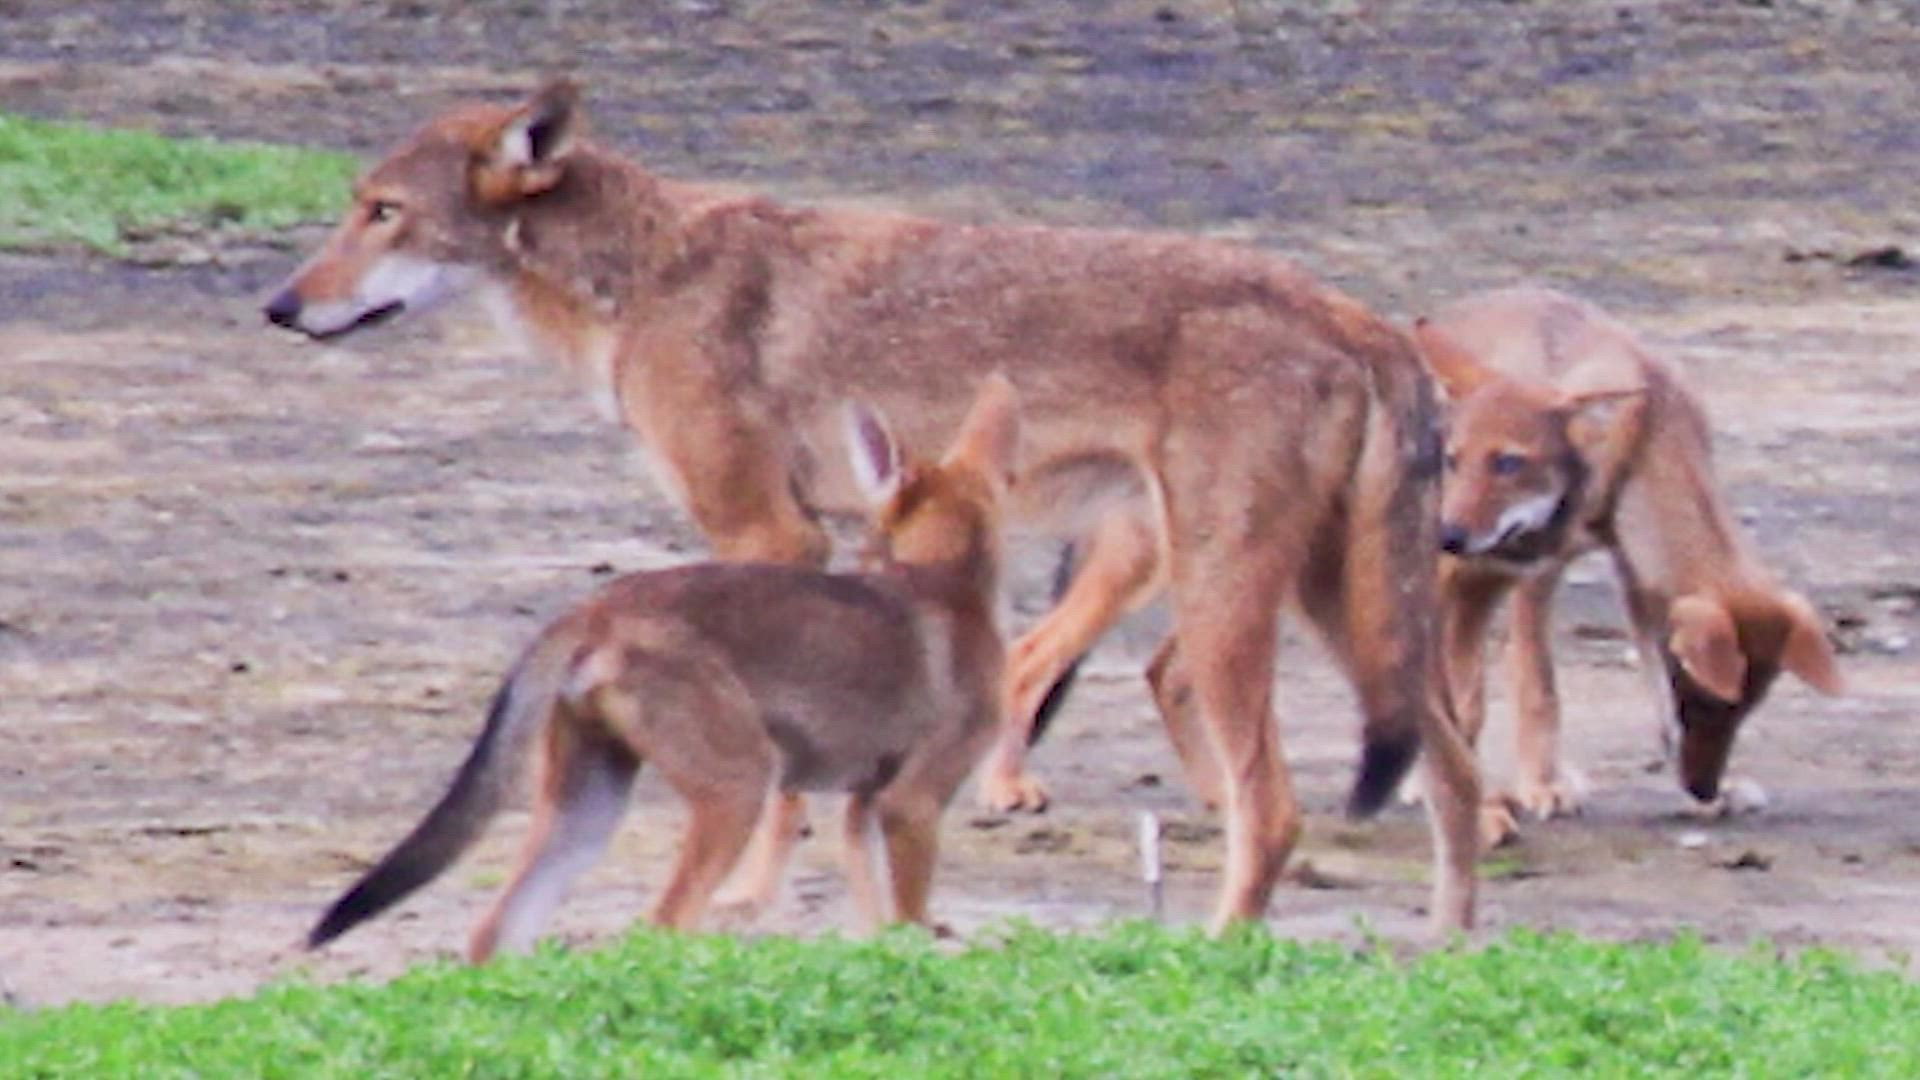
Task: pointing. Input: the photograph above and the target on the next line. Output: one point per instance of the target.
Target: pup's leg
(1468, 601)
(1649, 631)
(740, 490)
(585, 778)
(695, 721)
(757, 879)
(910, 805)
(866, 861)
(910, 821)
(719, 825)
(1666, 712)
(1542, 788)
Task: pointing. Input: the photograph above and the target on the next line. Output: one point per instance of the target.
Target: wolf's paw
(1738, 795)
(1002, 792)
(1560, 796)
(1498, 824)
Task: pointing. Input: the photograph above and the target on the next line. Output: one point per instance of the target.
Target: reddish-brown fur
(1201, 416)
(748, 682)
(1550, 399)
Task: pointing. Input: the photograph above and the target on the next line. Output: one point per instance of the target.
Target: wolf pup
(1203, 418)
(739, 680)
(1565, 435)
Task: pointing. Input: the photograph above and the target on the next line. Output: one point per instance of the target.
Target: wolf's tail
(489, 774)
(1391, 562)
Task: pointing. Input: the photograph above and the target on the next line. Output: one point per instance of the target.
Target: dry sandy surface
(254, 592)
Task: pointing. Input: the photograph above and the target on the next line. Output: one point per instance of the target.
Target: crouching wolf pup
(1565, 435)
(742, 679)
(1200, 418)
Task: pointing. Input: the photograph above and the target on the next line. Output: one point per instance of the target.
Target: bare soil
(254, 592)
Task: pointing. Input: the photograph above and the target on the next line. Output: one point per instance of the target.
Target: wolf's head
(1516, 469)
(438, 215)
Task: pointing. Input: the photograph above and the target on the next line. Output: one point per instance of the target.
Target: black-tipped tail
(1057, 693)
(449, 829)
(1383, 764)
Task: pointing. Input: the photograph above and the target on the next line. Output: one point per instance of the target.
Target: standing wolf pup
(737, 679)
(1199, 415)
(1564, 436)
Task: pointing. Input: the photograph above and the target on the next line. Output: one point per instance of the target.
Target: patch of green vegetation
(72, 185)
(1135, 1000)
(1504, 866)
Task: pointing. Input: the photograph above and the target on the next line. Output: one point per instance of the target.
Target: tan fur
(1552, 399)
(738, 681)
(1201, 416)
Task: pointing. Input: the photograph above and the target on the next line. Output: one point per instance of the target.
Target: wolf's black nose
(1453, 539)
(284, 309)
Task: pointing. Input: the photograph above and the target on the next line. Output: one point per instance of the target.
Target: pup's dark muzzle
(284, 309)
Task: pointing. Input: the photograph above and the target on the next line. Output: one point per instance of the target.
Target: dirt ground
(253, 592)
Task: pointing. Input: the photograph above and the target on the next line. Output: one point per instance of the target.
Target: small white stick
(1150, 859)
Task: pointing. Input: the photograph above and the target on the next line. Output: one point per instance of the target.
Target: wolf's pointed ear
(989, 438)
(872, 452)
(1704, 640)
(1600, 403)
(529, 150)
(1598, 420)
(1807, 652)
(1459, 372)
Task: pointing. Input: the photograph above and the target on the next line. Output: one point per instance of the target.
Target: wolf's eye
(1505, 464)
(1452, 461)
(381, 211)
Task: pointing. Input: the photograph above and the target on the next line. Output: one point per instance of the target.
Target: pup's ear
(989, 438)
(528, 152)
(1807, 652)
(1600, 404)
(872, 452)
(1458, 371)
(1705, 642)
(1602, 421)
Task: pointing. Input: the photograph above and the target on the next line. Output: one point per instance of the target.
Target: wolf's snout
(284, 309)
(1453, 538)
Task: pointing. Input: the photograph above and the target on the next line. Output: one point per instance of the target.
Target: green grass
(66, 186)
(1133, 1001)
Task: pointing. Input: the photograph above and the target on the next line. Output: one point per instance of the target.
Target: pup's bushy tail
(490, 772)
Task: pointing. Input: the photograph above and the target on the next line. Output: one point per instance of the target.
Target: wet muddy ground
(254, 592)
